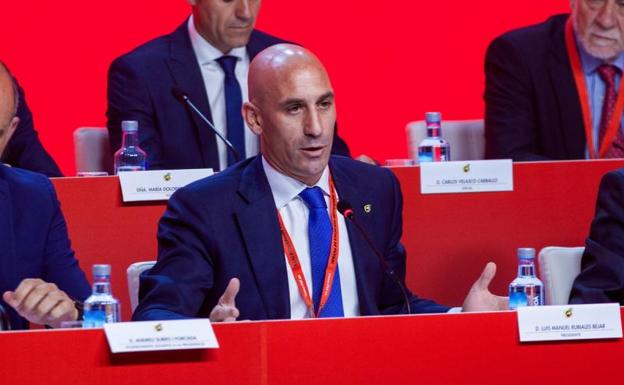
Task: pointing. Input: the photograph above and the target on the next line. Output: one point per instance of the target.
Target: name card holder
(466, 176)
(157, 185)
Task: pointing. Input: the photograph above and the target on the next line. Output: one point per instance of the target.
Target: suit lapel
(365, 261)
(8, 273)
(187, 75)
(260, 229)
(572, 132)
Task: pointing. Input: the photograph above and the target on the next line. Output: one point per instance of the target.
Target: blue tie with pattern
(320, 233)
(233, 103)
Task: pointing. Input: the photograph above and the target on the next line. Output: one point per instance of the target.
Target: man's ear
(252, 117)
(12, 126)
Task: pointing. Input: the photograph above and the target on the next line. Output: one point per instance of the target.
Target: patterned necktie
(233, 103)
(320, 233)
(607, 73)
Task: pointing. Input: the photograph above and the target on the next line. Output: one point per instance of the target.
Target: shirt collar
(590, 63)
(285, 188)
(206, 52)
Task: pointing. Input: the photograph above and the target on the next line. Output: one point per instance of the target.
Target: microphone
(346, 210)
(183, 97)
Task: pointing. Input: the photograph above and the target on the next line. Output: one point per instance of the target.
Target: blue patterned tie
(233, 103)
(320, 232)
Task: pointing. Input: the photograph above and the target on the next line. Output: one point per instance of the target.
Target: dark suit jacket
(140, 88)
(532, 106)
(602, 267)
(33, 238)
(24, 149)
(226, 226)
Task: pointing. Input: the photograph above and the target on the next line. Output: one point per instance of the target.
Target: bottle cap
(526, 253)
(433, 117)
(101, 270)
(130, 126)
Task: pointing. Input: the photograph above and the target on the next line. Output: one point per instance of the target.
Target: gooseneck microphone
(346, 210)
(183, 97)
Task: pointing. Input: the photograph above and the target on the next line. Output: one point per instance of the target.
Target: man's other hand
(225, 310)
(479, 297)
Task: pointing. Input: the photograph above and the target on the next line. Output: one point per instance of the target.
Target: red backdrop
(389, 62)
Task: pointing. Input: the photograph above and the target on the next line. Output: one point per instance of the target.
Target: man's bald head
(8, 106)
(291, 106)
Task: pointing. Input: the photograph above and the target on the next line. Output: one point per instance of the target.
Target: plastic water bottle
(526, 289)
(101, 307)
(434, 148)
(130, 157)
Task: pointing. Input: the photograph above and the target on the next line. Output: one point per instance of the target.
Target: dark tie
(233, 103)
(320, 232)
(607, 73)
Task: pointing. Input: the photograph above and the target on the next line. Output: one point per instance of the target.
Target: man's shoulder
(150, 51)
(537, 34)
(358, 172)
(221, 185)
(25, 184)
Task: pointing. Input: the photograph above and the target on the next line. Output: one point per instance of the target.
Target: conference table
(448, 237)
(479, 348)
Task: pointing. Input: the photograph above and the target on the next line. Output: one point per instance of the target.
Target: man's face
(295, 117)
(600, 26)
(8, 120)
(225, 24)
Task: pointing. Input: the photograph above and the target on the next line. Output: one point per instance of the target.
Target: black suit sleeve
(602, 267)
(129, 99)
(24, 149)
(510, 122)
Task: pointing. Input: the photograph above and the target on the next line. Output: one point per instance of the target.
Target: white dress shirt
(294, 214)
(213, 76)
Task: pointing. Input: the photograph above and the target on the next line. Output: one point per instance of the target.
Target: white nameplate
(157, 185)
(569, 322)
(466, 176)
(160, 335)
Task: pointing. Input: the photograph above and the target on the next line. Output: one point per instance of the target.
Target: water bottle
(101, 307)
(433, 148)
(130, 157)
(526, 289)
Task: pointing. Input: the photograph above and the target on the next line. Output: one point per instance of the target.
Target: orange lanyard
(332, 263)
(581, 87)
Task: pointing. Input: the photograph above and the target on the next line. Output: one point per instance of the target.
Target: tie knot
(314, 198)
(607, 73)
(228, 63)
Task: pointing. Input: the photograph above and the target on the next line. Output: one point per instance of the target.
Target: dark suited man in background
(552, 89)
(264, 240)
(207, 58)
(24, 150)
(39, 276)
(602, 267)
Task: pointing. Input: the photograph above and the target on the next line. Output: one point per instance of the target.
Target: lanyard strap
(581, 86)
(332, 263)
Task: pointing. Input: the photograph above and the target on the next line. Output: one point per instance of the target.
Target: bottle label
(94, 318)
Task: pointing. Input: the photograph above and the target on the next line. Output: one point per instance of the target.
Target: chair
(466, 137)
(559, 266)
(134, 272)
(92, 150)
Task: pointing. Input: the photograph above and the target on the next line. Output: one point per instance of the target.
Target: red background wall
(389, 62)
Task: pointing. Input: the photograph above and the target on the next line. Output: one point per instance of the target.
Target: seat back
(92, 150)
(134, 272)
(466, 138)
(559, 266)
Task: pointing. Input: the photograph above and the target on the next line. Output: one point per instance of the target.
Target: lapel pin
(368, 208)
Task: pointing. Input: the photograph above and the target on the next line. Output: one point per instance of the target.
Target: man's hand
(225, 310)
(41, 302)
(479, 297)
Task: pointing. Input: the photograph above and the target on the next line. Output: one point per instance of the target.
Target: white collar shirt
(213, 77)
(294, 213)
